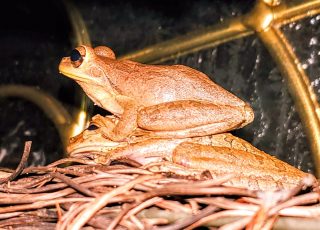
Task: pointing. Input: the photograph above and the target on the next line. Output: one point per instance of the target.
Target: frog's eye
(76, 58)
(92, 127)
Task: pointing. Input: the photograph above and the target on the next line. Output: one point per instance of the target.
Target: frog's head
(91, 69)
(91, 142)
(87, 65)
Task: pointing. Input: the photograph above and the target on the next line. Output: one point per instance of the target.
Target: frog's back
(154, 84)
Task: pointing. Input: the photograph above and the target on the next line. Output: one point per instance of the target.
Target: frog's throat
(74, 76)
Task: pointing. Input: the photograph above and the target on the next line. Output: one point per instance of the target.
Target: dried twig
(74, 185)
(125, 196)
(23, 161)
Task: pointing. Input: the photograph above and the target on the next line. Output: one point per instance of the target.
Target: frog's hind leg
(198, 131)
(258, 171)
(189, 118)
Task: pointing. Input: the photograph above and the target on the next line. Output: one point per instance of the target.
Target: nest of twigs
(126, 196)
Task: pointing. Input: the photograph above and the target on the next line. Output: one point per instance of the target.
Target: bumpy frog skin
(171, 101)
(220, 154)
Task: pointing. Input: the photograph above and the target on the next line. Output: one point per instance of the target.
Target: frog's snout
(248, 114)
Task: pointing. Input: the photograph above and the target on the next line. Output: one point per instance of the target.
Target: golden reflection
(260, 18)
(80, 37)
(78, 126)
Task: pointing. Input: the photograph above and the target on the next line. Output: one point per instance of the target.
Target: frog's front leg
(101, 121)
(126, 124)
(143, 152)
(188, 118)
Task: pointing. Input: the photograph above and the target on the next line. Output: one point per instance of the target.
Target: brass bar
(293, 10)
(299, 87)
(80, 32)
(207, 38)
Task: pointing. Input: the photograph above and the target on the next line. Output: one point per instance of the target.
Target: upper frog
(171, 101)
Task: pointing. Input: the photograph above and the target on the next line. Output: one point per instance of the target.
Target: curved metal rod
(223, 32)
(299, 87)
(204, 39)
(293, 10)
(80, 32)
(49, 105)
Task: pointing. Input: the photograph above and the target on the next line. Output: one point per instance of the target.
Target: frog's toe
(248, 115)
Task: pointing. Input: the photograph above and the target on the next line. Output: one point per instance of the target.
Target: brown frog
(220, 154)
(171, 101)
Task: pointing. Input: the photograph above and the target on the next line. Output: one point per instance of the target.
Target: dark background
(36, 34)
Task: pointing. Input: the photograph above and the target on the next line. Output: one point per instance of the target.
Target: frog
(169, 101)
(220, 154)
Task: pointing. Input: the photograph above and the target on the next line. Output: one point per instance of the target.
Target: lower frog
(220, 154)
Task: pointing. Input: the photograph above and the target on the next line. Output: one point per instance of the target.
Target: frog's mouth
(67, 69)
(73, 76)
(91, 149)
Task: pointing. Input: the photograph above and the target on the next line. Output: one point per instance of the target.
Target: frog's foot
(107, 127)
(109, 133)
(137, 136)
(107, 121)
(109, 158)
